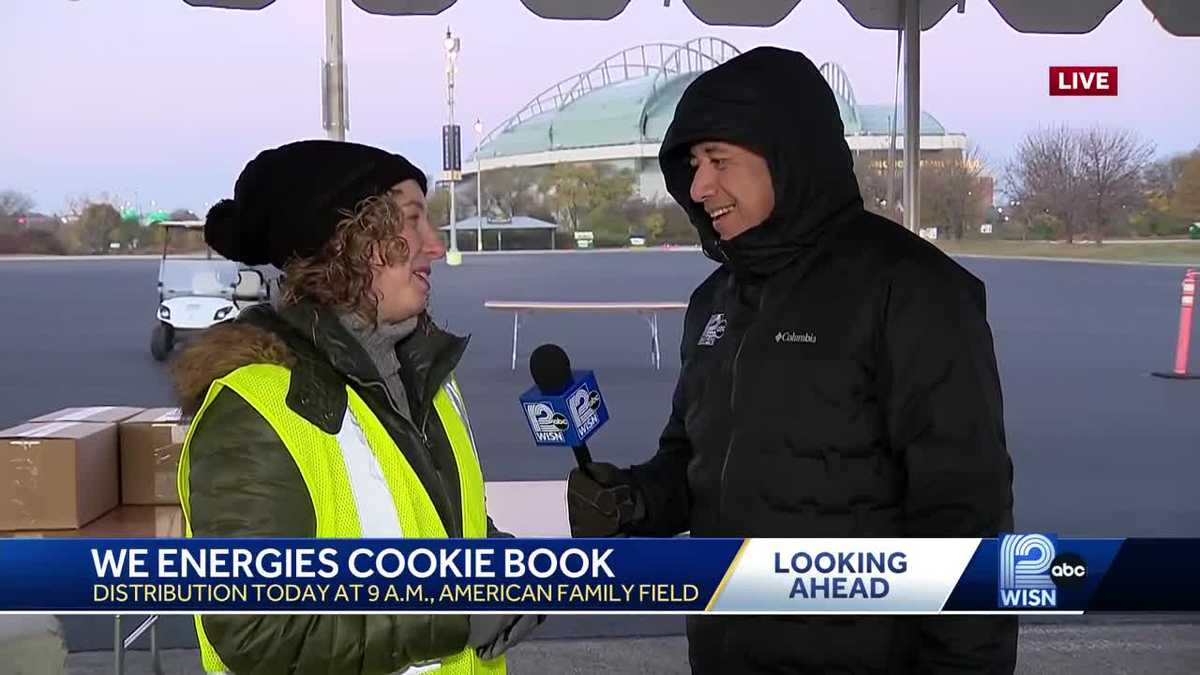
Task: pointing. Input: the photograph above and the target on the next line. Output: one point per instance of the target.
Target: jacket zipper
(420, 428)
(732, 431)
(732, 402)
(388, 397)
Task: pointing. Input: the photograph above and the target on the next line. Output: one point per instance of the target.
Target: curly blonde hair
(341, 274)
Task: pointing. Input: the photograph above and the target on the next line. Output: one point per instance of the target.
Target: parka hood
(776, 103)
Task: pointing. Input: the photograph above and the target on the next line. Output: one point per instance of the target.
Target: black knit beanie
(288, 201)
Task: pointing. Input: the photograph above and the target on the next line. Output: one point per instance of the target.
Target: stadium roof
(630, 98)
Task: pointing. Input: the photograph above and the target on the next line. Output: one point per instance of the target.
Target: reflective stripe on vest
(376, 512)
(354, 476)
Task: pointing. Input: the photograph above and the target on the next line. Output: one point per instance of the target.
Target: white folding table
(647, 310)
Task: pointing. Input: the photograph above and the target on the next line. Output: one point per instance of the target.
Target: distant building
(617, 112)
(38, 221)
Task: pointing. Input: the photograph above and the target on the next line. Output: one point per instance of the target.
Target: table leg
(156, 658)
(652, 321)
(516, 327)
(654, 333)
(118, 647)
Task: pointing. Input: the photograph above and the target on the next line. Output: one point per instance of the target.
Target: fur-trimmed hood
(218, 352)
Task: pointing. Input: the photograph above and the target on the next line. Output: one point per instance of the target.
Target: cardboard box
(99, 413)
(137, 521)
(150, 445)
(121, 523)
(57, 475)
(143, 522)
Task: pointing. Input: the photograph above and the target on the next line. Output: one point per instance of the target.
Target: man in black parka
(838, 380)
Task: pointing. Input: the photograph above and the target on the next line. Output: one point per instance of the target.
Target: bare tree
(1089, 178)
(1045, 176)
(12, 205)
(1111, 166)
(514, 191)
(1185, 201)
(872, 184)
(1161, 177)
(574, 190)
(438, 205)
(464, 200)
(99, 224)
(953, 193)
(76, 204)
(183, 214)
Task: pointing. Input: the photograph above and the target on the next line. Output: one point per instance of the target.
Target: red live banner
(1083, 80)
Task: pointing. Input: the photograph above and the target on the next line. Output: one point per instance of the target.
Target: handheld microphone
(550, 369)
(564, 407)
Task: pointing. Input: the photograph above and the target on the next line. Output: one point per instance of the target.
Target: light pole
(333, 75)
(452, 45)
(478, 186)
(912, 115)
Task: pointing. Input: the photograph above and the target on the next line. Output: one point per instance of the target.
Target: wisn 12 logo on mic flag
(568, 419)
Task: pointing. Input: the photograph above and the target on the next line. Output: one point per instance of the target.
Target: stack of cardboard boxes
(150, 445)
(65, 469)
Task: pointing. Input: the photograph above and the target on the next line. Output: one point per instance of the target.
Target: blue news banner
(1020, 573)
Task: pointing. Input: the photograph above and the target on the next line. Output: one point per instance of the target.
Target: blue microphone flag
(569, 419)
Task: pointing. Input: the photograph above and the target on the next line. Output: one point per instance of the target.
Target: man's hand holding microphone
(602, 500)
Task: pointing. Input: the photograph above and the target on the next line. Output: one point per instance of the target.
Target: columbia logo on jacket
(789, 336)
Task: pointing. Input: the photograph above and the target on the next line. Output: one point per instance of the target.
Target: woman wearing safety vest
(334, 412)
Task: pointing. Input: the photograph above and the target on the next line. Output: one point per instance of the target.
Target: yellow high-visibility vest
(342, 472)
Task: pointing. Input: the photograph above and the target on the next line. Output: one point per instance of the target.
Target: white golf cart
(195, 293)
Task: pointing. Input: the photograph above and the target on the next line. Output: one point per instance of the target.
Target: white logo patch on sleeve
(713, 330)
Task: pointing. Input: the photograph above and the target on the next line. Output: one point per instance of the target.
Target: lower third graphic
(1025, 582)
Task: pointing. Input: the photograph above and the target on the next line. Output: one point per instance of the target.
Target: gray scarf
(380, 344)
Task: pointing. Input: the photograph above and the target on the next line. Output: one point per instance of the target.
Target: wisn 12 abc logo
(585, 409)
(548, 425)
(1032, 571)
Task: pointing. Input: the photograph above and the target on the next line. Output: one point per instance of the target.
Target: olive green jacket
(244, 483)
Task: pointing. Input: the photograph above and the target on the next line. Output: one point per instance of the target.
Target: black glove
(602, 500)
(494, 532)
(493, 634)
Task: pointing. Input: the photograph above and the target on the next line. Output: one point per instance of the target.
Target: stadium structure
(617, 112)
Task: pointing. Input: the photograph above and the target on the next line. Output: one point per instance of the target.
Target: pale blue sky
(170, 101)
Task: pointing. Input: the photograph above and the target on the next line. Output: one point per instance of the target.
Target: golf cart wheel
(162, 340)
